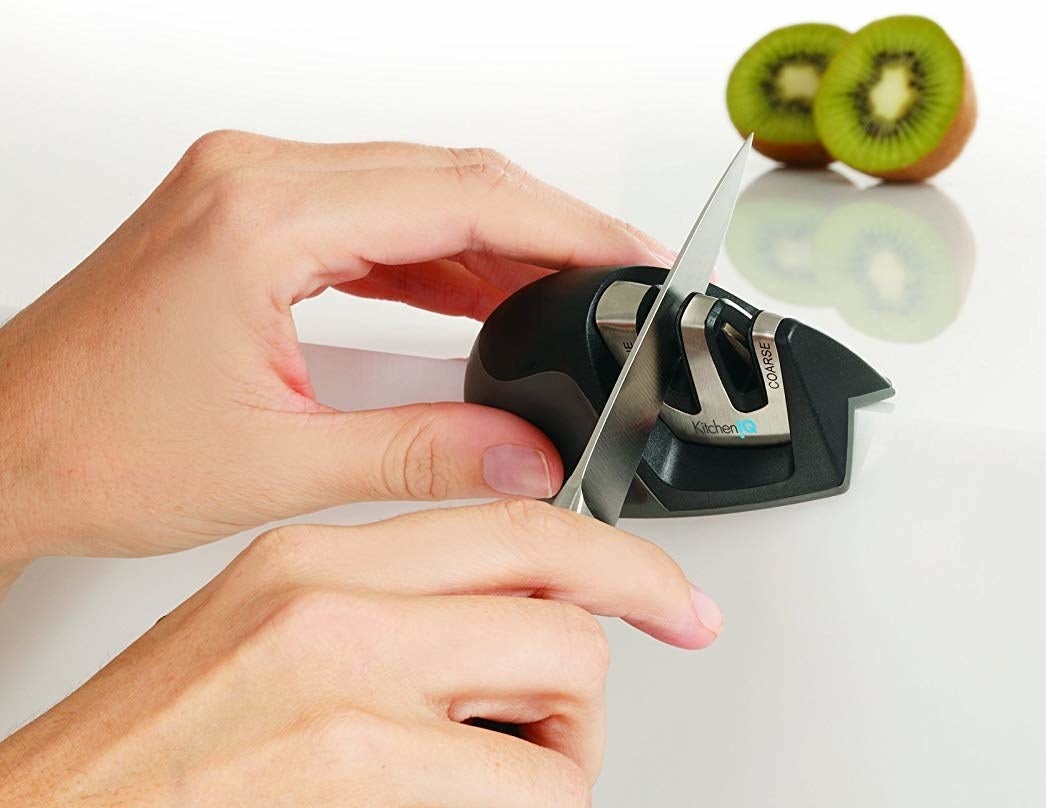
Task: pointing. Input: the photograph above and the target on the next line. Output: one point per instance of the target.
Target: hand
(339, 666)
(157, 398)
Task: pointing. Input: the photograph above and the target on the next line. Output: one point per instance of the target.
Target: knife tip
(743, 153)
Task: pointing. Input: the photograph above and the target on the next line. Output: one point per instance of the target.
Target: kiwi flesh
(897, 100)
(772, 87)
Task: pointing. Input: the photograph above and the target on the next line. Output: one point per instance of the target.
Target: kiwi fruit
(898, 261)
(896, 101)
(771, 237)
(772, 87)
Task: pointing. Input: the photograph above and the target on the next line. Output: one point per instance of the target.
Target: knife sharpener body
(759, 412)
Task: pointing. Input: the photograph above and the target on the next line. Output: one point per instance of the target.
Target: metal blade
(600, 481)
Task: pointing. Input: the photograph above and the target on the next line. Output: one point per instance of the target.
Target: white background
(881, 648)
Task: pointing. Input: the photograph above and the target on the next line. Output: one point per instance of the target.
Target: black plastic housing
(540, 356)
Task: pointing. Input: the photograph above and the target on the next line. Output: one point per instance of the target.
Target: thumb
(423, 452)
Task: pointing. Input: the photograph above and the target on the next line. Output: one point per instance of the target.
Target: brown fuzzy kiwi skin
(803, 155)
(951, 144)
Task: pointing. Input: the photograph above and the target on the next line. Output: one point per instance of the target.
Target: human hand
(157, 397)
(338, 666)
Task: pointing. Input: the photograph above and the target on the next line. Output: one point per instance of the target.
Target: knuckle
(239, 200)
(306, 628)
(631, 229)
(535, 526)
(278, 547)
(607, 223)
(470, 156)
(492, 157)
(302, 615)
(412, 463)
(217, 149)
(359, 735)
(234, 191)
(484, 165)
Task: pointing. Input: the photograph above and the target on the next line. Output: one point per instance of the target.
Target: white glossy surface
(881, 648)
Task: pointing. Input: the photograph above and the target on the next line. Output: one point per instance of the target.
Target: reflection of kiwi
(771, 237)
(772, 87)
(899, 261)
(897, 100)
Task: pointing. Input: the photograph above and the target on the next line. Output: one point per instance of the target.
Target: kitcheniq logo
(741, 428)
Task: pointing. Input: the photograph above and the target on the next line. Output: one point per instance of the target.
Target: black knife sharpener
(759, 411)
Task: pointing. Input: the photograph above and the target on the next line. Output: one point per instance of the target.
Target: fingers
(537, 664)
(349, 221)
(442, 286)
(469, 767)
(230, 149)
(470, 285)
(508, 547)
(413, 215)
(503, 273)
(426, 585)
(415, 452)
(356, 205)
(516, 660)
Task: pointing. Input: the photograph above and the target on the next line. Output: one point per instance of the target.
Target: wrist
(20, 774)
(20, 539)
(25, 512)
(76, 754)
(46, 762)
(22, 536)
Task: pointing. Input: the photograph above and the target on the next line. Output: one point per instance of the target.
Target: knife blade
(601, 479)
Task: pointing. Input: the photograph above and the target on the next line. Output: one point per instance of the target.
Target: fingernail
(517, 470)
(707, 610)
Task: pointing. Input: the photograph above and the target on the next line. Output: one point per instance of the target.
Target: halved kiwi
(896, 101)
(772, 87)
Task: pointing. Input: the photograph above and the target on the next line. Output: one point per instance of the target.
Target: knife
(600, 481)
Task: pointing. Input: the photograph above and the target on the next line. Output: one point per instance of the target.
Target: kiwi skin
(951, 145)
(801, 155)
